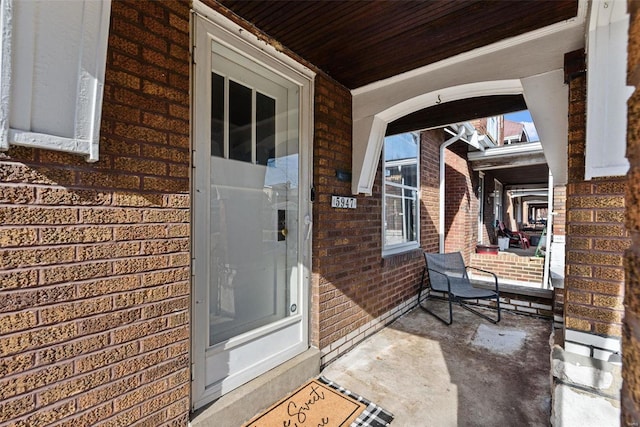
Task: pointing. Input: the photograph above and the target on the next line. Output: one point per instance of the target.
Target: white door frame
(215, 26)
(480, 207)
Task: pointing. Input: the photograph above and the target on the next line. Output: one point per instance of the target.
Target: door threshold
(241, 404)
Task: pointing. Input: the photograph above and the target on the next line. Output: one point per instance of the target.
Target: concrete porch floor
(472, 373)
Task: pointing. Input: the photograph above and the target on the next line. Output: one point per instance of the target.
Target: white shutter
(52, 65)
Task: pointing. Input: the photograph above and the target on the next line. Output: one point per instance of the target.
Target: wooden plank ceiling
(361, 42)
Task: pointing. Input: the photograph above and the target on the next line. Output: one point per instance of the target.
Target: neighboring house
(503, 131)
(168, 231)
(520, 171)
(514, 132)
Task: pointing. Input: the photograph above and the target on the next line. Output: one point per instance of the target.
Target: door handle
(282, 225)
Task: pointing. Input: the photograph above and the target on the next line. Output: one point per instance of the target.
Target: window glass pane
(392, 191)
(393, 221)
(410, 175)
(492, 128)
(239, 122)
(217, 115)
(406, 174)
(403, 146)
(410, 216)
(400, 217)
(265, 128)
(401, 189)
(392, 174)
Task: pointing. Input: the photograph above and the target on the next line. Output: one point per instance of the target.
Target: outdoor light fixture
(342, 175)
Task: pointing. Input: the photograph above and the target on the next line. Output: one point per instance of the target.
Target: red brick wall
(596, 234)
(94, 258)
(461, 203)
(511, 266)
(430, 188)
(342, 239)
(631, 343)
(352, 284)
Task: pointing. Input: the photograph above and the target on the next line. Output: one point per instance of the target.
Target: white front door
(250, 204)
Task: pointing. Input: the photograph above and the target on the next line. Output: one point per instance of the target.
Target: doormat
(372, 416)
(321, 402)
(313, 404)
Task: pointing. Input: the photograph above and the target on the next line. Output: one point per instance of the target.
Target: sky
(519, 116)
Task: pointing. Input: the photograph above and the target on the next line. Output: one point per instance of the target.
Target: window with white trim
(52, 68)
(400, 194)
(492, 128)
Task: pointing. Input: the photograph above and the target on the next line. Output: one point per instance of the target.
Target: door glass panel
(253, 245)
(240, 120)
(217, 115)
(265, 128)
(254, 212)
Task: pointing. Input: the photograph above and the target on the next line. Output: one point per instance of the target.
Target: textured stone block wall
(630, 394)
(352, 283)
(94, 257)
(560, 210)
(596, 233)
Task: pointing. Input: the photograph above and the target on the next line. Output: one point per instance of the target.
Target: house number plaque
(343, 202)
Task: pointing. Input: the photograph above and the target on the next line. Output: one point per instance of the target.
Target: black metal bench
(448, 274)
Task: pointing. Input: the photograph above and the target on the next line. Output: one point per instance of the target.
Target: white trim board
(607, 92)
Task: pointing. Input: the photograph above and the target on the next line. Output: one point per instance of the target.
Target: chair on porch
(448, 274)
(515, 237)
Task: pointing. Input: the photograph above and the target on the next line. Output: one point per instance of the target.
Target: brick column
(596, 239)
(430, 141)
(461, 204)
(630, 394)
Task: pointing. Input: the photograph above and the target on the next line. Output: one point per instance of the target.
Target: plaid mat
(372, 416)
